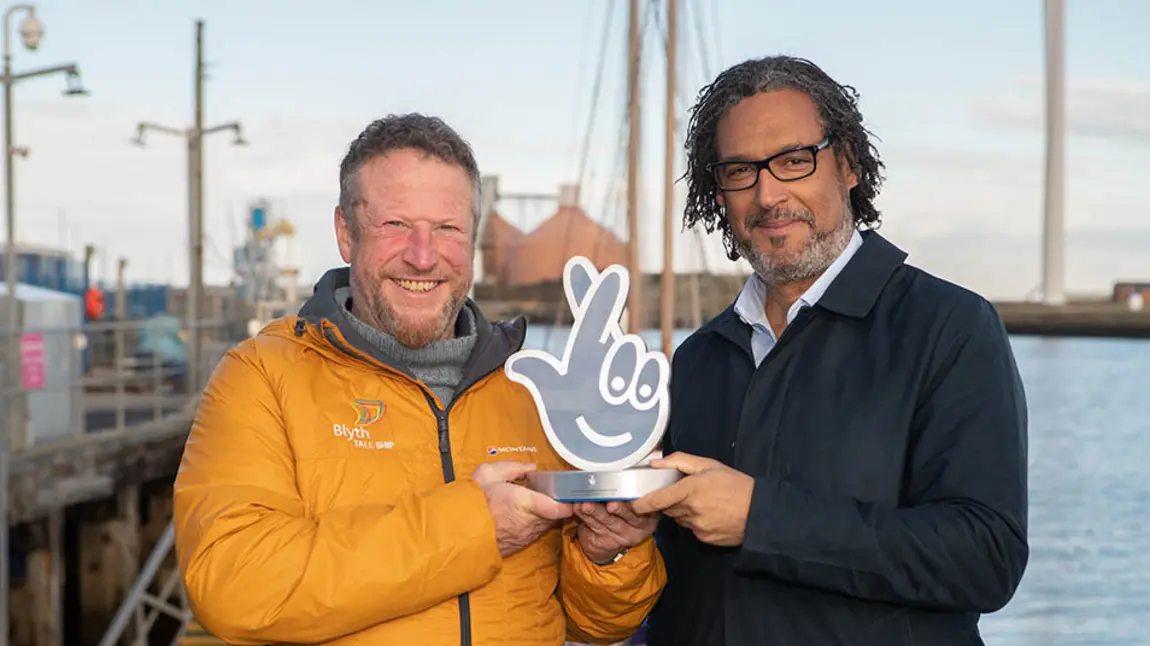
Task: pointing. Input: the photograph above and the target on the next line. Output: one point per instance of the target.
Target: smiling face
(410, 245)
(604, 401)
(789, 231)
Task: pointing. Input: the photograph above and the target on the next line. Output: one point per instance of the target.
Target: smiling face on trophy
(604, 403)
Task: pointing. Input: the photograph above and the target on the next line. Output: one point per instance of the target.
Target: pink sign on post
(32, 361)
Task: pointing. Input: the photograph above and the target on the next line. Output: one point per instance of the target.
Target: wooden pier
(1100, 319)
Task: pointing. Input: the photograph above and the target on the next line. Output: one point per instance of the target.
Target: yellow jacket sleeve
(258, 569)
(606, 604)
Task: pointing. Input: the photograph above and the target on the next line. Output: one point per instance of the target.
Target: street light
(194, 135)
(75, 87)
(31, 32)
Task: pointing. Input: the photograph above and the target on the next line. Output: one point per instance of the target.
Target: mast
(667, 298)
(635, 296)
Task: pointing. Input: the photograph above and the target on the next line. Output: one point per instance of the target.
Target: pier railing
(82, 408)
(68, 384)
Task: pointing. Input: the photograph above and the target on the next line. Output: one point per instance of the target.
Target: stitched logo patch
(368, 411)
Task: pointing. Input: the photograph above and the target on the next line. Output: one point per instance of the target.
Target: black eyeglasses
(787, 166)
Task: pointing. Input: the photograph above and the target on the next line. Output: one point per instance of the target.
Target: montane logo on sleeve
(496, 450)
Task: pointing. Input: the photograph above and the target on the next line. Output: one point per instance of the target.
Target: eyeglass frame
(762, 164)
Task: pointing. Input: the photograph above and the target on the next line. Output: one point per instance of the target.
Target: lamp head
(75, 86)
(139, 138)
(31, 31)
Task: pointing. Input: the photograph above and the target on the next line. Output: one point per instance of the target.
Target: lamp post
(194, 135)
(31, 31)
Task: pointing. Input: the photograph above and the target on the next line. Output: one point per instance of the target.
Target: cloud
(1104, 109)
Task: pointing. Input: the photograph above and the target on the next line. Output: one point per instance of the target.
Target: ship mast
(635, 296)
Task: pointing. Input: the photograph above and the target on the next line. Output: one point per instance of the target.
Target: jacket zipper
(449, 476)
(444, 437)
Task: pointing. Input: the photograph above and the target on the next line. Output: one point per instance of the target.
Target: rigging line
(607, 223)
(595, 91)
(642, 34)
(715, 29)
(584, 54)
(643, 23)
(701, 50)
(604, 221)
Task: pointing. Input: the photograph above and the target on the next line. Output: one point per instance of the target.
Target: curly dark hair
(841, 121)
(427, 134)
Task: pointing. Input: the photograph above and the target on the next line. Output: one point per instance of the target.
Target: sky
(953, 91)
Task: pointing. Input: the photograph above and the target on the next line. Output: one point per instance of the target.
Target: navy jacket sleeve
(958, 543)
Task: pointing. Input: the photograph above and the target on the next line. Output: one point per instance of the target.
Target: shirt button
(732, 445)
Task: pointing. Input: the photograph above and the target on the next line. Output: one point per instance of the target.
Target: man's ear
(343, 234)
(846, 171)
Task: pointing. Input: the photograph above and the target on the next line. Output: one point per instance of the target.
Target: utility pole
(15, 433)
(1054, 222)
(667, 300)
(635, 297)
(195, 298)
(194, 137)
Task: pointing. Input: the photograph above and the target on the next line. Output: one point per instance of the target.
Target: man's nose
(770, 192)
(420, 251)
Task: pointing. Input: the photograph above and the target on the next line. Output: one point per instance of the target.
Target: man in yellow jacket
(350, 475)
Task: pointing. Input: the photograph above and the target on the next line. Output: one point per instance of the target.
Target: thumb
(545, 507)
(506, 471)
(535, 369)
(685, 462)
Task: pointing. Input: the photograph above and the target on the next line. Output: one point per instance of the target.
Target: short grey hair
(414, 131)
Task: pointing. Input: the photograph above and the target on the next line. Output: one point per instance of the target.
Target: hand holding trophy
(604, 404)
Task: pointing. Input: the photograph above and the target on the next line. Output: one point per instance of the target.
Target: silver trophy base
(601, 486)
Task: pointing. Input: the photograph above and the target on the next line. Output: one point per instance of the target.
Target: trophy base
(601, 486)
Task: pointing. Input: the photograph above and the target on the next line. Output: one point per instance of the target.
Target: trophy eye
(620, 364)
(646, 383)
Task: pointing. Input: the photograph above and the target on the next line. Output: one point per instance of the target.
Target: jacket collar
(856, 290)
(853, 293)
(495, 343)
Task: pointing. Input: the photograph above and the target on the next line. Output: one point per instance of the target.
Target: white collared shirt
(751, 303)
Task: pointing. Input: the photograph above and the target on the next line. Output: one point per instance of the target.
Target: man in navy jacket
(853, 429)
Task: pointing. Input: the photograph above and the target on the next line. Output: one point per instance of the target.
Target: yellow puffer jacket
(324, 497)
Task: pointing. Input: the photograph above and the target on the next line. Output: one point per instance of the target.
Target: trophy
(604, 404)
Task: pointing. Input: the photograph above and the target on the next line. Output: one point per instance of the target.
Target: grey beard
(820, 252)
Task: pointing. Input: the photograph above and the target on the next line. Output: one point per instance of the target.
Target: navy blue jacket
(886, 432)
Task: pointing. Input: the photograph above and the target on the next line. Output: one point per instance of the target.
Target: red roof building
(511, 258)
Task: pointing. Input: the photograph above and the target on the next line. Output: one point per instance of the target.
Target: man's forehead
(415, 201)
(767, 123)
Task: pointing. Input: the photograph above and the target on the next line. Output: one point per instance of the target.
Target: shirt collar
(751, 302)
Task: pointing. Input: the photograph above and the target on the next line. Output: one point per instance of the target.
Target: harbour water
(1088, 579)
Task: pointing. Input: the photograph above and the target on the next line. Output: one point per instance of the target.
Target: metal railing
(141, 608)
(68, 387)
(102, 377)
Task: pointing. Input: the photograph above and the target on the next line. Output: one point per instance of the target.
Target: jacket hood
(496, 342)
